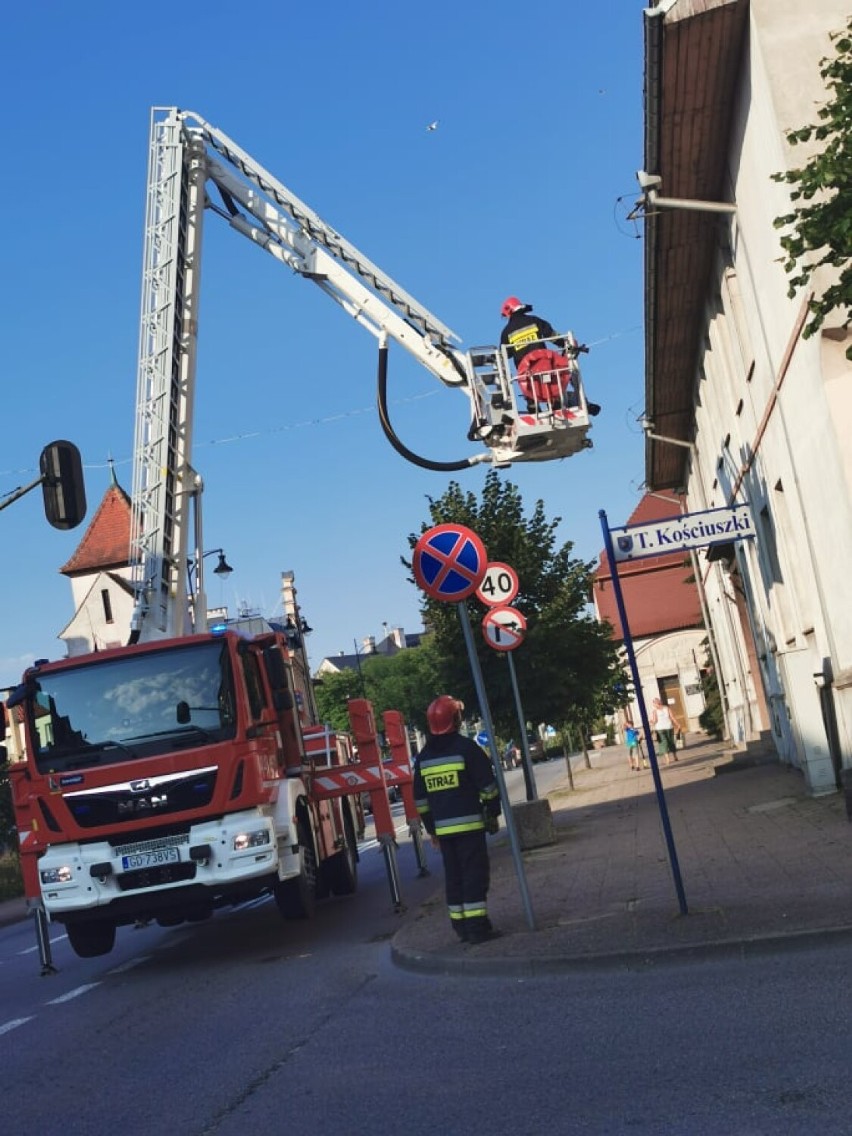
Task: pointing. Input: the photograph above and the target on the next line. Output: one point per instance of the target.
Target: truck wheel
(91, 939)
(296, 898)
(342, 868)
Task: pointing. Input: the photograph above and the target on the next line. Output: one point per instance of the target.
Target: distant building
(664, 613)
(395, 641)
(100, 575)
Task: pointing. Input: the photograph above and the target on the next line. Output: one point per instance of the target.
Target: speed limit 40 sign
(499, 585)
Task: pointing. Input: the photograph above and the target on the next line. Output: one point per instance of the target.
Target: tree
(567, 657)
(406, 681)
(333, 693)
(8, 837)
(712, 717)
(822, 224)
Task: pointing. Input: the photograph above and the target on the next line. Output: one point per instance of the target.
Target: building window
(107, 602)
(773, 576)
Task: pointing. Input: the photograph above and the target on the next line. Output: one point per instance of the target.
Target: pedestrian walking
(633, 741)
(458, 800)
(664, 723)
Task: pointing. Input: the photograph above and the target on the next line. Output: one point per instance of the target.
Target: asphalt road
(249, 1024)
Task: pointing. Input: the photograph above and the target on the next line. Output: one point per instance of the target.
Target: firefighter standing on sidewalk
(458, 800)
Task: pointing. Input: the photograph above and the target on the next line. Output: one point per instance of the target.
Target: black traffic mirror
(62, 485)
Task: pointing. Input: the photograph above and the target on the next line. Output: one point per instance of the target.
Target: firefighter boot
(480, 930)
(460, 928)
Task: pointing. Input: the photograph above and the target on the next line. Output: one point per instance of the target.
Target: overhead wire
(321, 420)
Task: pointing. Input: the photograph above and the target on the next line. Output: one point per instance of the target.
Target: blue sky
(523, 189)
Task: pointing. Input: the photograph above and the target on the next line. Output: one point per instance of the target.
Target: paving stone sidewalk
(762, 865)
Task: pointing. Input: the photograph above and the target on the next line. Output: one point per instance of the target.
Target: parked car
(536, 748)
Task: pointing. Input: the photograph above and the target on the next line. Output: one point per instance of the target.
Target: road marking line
(75, 993)
(29, 950)
(6, 1027)
(129, 965)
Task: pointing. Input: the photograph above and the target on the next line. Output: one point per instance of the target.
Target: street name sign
(678, 534)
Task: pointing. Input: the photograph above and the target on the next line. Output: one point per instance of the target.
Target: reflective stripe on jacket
(454, 785)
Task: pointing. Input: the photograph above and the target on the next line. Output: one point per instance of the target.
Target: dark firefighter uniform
(543, 375)
(457, 798)
(524, 332)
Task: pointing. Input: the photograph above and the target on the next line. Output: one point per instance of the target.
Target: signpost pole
(529, 779)
(479, 685)
(449, 564)
(652, 755)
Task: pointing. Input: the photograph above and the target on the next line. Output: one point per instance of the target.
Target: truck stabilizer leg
(415, 831)
(389, 851)
(43, 939)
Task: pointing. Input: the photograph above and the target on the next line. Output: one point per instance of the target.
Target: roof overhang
(693, 51)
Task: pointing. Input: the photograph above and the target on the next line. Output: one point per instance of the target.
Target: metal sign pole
(529, 779)
(652, 755)
(476, 671)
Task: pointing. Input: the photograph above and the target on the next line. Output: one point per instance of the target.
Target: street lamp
(295, 632)
(223, 568)
(196, 589)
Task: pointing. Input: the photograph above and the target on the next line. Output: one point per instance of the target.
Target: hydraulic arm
(189, 158)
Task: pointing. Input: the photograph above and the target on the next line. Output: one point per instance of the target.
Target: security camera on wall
(648, 181)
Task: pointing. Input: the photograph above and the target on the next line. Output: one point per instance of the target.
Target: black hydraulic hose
(415, 459)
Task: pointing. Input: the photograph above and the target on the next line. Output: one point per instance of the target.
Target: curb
(464, 964)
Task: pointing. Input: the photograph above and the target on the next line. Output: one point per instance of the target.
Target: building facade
(100, 576)
(664, 614)
(741, 407)
(396, 639)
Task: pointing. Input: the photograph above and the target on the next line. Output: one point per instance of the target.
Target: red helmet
(444, 715)
(513, 304)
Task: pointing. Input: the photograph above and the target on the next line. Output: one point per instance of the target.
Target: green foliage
(406, 681)
(712, 718)
(11, 880)
(8, 837)
(821, 221)
(332, 695)
(568, 661)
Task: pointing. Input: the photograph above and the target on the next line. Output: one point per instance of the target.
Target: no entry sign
(449, 562)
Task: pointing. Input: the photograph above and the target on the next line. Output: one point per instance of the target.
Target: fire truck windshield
(119, 709)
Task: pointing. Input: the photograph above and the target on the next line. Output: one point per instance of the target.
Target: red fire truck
(165, 779)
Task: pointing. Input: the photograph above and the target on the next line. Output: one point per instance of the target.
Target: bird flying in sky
(433, 125)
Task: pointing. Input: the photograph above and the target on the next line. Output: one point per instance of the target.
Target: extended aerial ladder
(187, 157)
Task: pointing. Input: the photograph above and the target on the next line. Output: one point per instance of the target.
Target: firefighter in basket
(544, 376)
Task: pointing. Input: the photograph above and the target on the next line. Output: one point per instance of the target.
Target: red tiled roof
(660, 593)
(106, 542)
